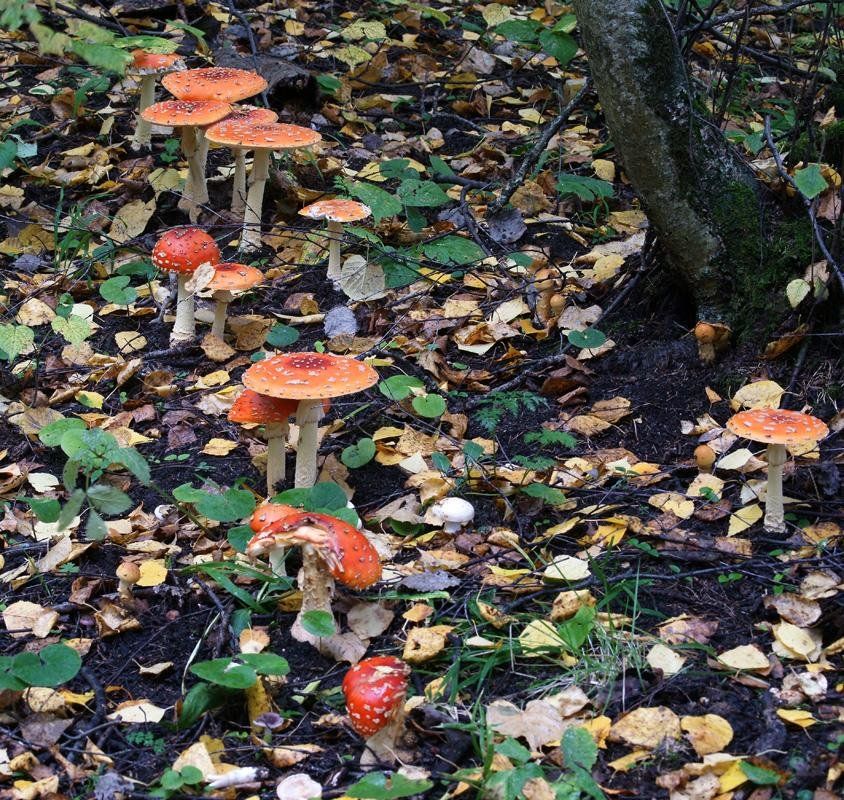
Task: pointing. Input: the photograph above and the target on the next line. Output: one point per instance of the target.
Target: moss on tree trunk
(702, 200)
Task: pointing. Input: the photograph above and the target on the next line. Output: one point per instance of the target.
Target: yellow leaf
(604, 169)
(567, 568)
(131, 220)
(707, 734)
(90, 399)
(129, 341)
(746, 657)
(673, 502)
(646, 727)
(761, 394)
(744, 518)
(732, 778)
(795, 716)
(218, 447)
(153, 572)
(424, 644)
(630, 760)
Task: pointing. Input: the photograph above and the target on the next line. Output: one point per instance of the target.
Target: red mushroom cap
(309, 376)
(259, 409)
(375, 690)
(350, 556)
(267, 514)
(155, 62)
(184, 250)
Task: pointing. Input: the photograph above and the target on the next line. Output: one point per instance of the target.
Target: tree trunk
(702, 201)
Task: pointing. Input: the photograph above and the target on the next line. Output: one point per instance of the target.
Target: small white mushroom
(453, 513)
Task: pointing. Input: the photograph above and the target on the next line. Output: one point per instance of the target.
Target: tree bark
(702, 200)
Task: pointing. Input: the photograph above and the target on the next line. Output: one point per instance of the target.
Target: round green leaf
(282, 335)
(225, 672)
(51, 435)
(192, 775)
(356, 455)
(118, 291)
(53, 665)
(588, 339)
(266, 663)
(429, 405)
(231, 505)
(398, 387)
(318, 623)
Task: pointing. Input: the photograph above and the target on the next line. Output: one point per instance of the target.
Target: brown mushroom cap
(337, 210)
(262, 136)
(184, 250)
(128, 571)
(233, 277)
(153, 62)
(214, 83)
(309, 376)
(259, 409)
(177, 113)
(777, 426)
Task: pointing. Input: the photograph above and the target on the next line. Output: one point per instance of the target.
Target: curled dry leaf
(423, 644)
(539, 724)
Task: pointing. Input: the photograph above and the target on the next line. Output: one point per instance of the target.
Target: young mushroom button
(229, 279)
(308, 378)
(336, 212)
(776, 428)
(375, 691)
(453, 513)
(183, 251)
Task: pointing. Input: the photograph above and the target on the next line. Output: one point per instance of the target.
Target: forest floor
(533, 360)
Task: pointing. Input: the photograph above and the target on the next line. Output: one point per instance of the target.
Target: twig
(536, 151)
(810, 209)
(733, 16)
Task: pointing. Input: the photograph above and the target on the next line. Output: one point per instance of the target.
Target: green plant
(172, 783)
(495, 406)
(147, 739)
(51, 666)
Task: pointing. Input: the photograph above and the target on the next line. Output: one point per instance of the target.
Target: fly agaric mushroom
(331, 549)
(263, 542)
(229, 278)
(375, 690)
(308, 378)
(249, 115)
(777, 428)
(336, 212)
(148, 66)
(453, 513)
(189, 115)
(268, 514)
(128, 574)
(263, 138)
(183, 251)
(712, 338)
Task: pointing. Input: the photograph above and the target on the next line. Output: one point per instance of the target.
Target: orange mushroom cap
(265, 517)
(375, 689)
(262, 135)
(350, 556)
(214, 83)
(259, 409)
(233, 277)
(178, 113)
(309, 376)
(153, 62)
(337, 210)
(777, 426)
(184, 250)
(248, 114)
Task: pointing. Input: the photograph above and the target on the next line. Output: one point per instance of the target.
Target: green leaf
(560, 45)
(45, 510)
(104, 56)
(548, 494)
(318, 623)
(441, 462)
(760, 775)
(225, 672)
(810, 181)
(421, 194)
(199, 699)
(382, 203)
(7, 677)
(95, 528)
(523, 31)
(358, 454)
(152, 44)
(51, 435)
(575, 631)
(231, 505)
(566, 24)
(8, 153)
(398, 387)
(239, 536)
(50, 42)
(585, 187)
(590, 338)
(282, 335)
(51, 666)
(398, 168)
(108, 499)
(130, 458)
(71, 508)
(429, 405)
(74, 329)
(377, 786)
(266, 663)
(328, 83)
(453, 250)
(579, 748)
(14, 339)
(191, 775)
(326, 495)
(440, 168)
(118, 291)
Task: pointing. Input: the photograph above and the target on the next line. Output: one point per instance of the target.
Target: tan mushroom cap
(153, 62)
(309, 376)
(233, 277)
(259, 409)
(262, 136)
(214, 83)
(777, 426)
(337, 210)
(177, 113)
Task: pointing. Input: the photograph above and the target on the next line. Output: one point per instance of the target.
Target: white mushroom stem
(251, 238)
(239, 181)
(190, 149)
(308, 415)
(222, 299)
(202, 145)
(277, 565)
(381, 748)
(184, 328)
(335, 238)
(276, 452)
(774, 509)
(317, 587)
(143, 129)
